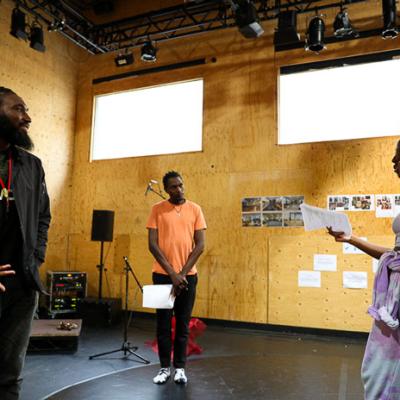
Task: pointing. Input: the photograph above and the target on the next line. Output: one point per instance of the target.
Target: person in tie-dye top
(380, 371)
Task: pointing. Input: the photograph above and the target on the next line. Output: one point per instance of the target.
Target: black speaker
(102, 225)
(100, 312)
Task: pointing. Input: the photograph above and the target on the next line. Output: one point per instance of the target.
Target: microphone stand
(126, 347)
(157, 193)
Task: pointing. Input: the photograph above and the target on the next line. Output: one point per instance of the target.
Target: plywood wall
(48, 84)
(246, 274)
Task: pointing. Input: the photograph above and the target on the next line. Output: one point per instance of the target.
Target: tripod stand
(101, 268)
(126, 347)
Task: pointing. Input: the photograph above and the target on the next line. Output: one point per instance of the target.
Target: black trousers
(17, 308)
(183, 311)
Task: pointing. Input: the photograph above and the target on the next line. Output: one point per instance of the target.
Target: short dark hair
(4, 91)
(169, 175)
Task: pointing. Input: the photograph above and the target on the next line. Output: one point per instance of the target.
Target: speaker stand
(101, 268)
(126, 347)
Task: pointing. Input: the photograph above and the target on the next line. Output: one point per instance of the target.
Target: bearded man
(24, 222)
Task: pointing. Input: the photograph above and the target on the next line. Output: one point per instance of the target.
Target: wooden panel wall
(326, 307)
(246, 274)
(48, 84)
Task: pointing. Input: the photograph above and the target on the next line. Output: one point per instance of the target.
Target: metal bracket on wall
(153, 70)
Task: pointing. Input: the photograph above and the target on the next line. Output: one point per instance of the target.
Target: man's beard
(13, 135)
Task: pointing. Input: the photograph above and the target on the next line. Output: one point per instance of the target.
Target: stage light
(247, 20)
(37, 37)
(342, 26)
(316, 34)
(57, 25)
(149, 52)
(286, 33)
(18, 25)
(124, 59)
(390, 30)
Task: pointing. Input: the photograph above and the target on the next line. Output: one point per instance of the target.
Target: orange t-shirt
(176, 226)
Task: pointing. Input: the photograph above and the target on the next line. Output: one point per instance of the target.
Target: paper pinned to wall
(350, 249)
(384, 206)
(355, 280)
(375, 264)
(317, 218)
(309, 279)
(325, 262)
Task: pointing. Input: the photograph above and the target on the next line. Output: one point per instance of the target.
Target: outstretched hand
(339, 236)
(5, 271)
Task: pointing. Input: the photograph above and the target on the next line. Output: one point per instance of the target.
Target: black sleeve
(44, 220)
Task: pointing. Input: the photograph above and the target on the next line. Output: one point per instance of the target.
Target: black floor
(236, 364)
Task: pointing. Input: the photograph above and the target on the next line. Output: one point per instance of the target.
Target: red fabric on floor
(196, 328)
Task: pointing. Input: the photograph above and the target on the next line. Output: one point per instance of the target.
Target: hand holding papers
(158, 296)
(317, 218)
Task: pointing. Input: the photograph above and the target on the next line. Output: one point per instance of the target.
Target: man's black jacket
(33, 207)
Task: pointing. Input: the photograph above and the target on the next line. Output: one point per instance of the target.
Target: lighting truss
(189, 19)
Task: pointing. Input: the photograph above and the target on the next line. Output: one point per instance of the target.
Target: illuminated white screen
(157, 120)
(340, 103)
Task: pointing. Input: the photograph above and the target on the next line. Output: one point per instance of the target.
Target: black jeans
(17, 308)
(183, 311)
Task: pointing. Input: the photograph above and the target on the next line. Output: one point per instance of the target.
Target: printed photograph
(385, 206)
(251, 204)
(272, 204)
(339, 203)
(384, 202)
(292, 203)
(293, 219)
(251, 220)
(362, 203)
(272, 219)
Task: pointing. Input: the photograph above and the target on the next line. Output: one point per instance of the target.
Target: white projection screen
(156, 120)
(340, 103)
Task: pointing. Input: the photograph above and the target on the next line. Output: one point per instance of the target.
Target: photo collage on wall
(358, 202)
(385, 205)
(272, 211)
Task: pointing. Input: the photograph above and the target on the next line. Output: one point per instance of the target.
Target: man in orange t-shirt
(176, 239)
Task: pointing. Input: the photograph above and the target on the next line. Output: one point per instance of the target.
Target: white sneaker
(179, 376)
(162, 376)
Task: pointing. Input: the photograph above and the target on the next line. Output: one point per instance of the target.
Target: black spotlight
(37, 38)
(342, 26)
(124, 59)
(57, 25)
(286, 32)
(390, 30)
(18, 25)
(247, 20)
(316, 35)
(149, 52)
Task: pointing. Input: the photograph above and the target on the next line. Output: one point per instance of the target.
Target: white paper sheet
(339, 203)
(355, 280)
(309, 279)
(385, 207)
(375, 264)
(158, 296)
(362, 202)
(396, 205)
(325, 262)
(317, 218)
(350, 249)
